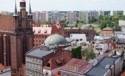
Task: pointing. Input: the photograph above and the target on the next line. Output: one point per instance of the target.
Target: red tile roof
(107, 32)
(6, 23)
(63, 59)
(77, 65)
(123, 74)
(2, 67)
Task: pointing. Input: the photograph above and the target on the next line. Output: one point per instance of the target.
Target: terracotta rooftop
(107, 28)
(106, 32)
(77, 65)
(123, 74)
(61, 59)
(2, 67)
(6, 23)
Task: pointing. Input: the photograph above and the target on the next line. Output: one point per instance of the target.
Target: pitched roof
(107, 28)
(1, 67)
(77, 65)
(6, 23)
(54, 61)
(107, 32)
(40, 51)
(101, 67)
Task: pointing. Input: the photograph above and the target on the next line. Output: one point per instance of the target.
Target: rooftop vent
(94, 62)
(107, 66)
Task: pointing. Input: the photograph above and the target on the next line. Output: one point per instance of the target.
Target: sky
(65, 5)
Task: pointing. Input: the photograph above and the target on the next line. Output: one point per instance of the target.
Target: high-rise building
(101, 13)
(16, 38)
(55, 16)
(106, 13)
(36, 16)
(120, 12)
(44, 16)
(112, 13)
(71, 17)
(123, 12)
(94, 14)
(83, 16)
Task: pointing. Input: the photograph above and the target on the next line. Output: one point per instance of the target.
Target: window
(48, 65)
(39, 31)
(45, 31)
(46, 74)
(39, 40)
(77, 40)
(80, 39)
(98, 48)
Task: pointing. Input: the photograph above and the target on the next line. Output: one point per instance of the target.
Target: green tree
(92, 19)
(90, 55)
(76, 53)
(111, 21)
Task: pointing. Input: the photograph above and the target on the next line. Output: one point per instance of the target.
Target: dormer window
(59, 62)
(39, 31)
(45, 31)
(80, 39)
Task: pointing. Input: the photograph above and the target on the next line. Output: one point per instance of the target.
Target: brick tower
(22, 39)
(16, 38)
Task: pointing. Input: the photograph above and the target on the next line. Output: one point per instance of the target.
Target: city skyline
(66, 5)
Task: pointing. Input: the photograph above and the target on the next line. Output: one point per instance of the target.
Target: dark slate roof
(99, 69)
(39, 51)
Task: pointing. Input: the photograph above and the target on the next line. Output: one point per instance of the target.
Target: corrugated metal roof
(39, 53)
(99, 69)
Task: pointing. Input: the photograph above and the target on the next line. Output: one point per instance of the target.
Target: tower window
(22, 4)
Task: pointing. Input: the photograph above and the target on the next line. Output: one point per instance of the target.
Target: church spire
(30, 11)
(15, 12)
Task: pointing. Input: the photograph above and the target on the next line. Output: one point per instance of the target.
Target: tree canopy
(110, 21)
(76, 53)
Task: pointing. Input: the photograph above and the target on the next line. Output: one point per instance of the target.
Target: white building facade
(122, 24)
(33, 67)
(5, 71)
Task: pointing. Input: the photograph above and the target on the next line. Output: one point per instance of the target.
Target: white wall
(8, 73)
(78, 36)
(104, 48)
(34, 66)
(47, 71)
